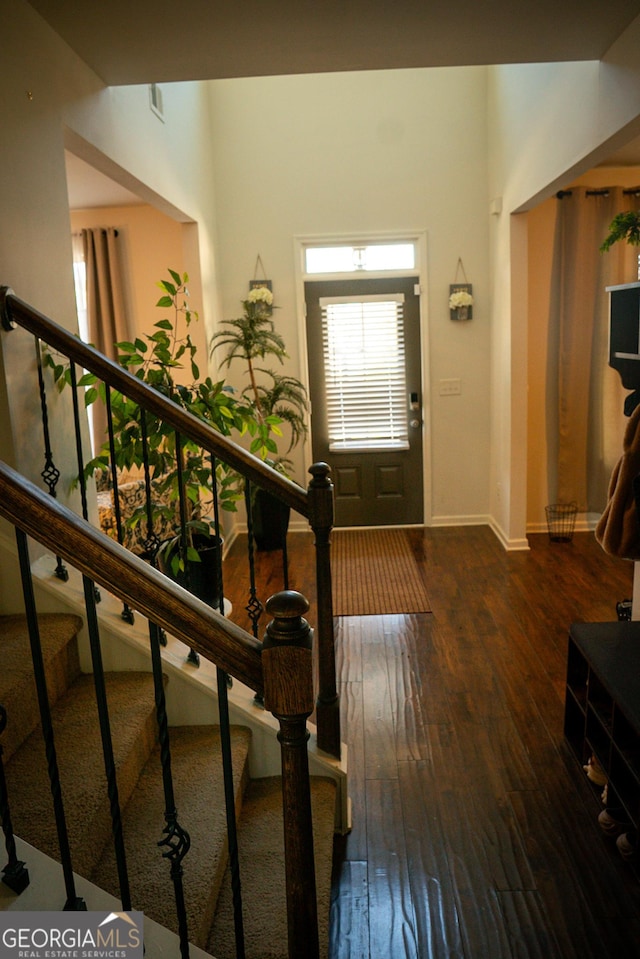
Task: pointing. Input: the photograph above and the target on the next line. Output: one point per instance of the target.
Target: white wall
(345, 154)
(48, 97)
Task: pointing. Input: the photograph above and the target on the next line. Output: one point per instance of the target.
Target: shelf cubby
(602, 705)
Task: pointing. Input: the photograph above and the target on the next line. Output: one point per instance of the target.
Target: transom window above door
(352, 258)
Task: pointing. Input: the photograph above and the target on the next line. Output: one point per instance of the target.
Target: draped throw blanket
(618, 530)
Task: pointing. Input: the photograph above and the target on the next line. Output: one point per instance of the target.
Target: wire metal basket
(561, 521)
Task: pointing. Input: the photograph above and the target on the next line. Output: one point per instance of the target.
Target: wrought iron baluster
(176, 839)
(230, 806)
(50, 474)
(218, 532)
(182, 504)
(216, 524)
(15, 875)
(285, 562)
(192, 657)
(107, 742)
(254, 607)
(224, 683)
(127, 613)
(74, 902)
(78, 438)
(79, 453)
(152, 540)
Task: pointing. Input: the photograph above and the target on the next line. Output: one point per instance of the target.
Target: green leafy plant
(154, 358)
(624, 226)
(274, 397)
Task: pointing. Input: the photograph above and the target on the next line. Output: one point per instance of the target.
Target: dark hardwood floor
(474, 828)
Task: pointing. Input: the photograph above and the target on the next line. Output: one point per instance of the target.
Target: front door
(363, 338)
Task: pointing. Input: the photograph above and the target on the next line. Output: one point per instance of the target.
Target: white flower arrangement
(260, 294)
(460, 298)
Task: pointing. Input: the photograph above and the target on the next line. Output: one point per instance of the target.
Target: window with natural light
(377, 257)
(364, 358)
(80, 283)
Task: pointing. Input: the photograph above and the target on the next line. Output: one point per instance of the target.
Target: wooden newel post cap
(321, 473)
(286, 656)
(320, 493)
(6, 320)
(288, 626)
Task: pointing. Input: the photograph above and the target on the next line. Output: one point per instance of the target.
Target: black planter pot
(203, 578)
(270, 521)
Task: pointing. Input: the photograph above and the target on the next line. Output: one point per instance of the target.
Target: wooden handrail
(131, 579)
(14, 311)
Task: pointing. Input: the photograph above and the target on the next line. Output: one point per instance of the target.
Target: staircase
(195, 752)
(290, 668)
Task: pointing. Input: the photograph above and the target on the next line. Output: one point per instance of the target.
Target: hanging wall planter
(461, 297)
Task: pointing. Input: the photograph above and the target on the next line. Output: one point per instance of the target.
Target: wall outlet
(450, 387)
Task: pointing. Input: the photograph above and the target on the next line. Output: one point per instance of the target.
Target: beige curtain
(106, 316)
(585, 398)
(107, 323)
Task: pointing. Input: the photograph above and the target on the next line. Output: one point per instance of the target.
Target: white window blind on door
(364, 363)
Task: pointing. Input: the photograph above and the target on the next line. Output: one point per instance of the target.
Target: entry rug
(375, 572)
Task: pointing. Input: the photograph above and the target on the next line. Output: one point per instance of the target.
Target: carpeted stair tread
(261, 843)
(80, 759)
(195, 754)
(199, 798)
(17, 691)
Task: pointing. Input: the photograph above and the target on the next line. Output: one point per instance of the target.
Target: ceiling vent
(155, 100)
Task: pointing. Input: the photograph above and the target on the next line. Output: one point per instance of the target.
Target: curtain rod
(632, 191)
(103, 228)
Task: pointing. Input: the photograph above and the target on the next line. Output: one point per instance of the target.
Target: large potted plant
(275, 398)
(155, 358)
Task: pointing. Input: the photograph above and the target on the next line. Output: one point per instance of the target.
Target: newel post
(320, 492)
(288, 694)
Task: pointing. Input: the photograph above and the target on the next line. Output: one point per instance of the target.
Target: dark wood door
(378, 482)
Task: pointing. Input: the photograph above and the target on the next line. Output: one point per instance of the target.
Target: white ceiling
(146, 41)
(143, 41)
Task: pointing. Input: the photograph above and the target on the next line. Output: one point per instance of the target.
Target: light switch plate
(450, 387)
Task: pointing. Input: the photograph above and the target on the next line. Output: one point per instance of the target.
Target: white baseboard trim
(469, 520)
(483, 520)
(511, 545)
(585, 523)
